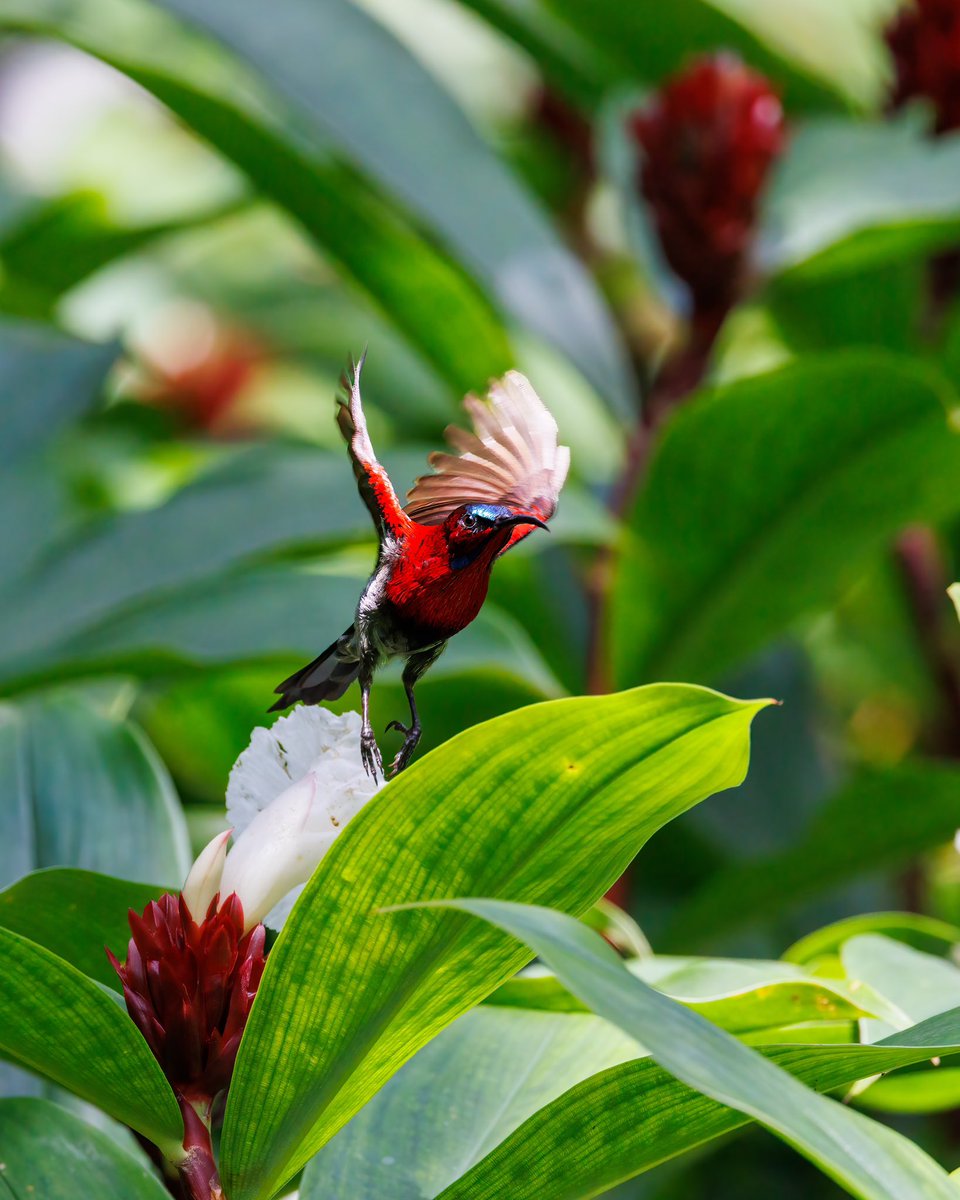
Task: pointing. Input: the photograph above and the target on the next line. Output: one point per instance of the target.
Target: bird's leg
(416, 665)
(369, 750)
(411, 732)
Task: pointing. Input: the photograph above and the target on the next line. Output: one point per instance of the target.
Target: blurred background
(723, 240)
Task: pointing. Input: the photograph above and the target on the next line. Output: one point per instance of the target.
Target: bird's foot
(411, 737)
(370, 755)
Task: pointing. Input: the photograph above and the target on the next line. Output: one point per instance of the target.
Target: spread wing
(512, 457)
(373, 483)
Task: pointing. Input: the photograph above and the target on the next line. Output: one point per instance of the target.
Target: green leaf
(438, 307)
(569, 62)
(75, 914)
(49, 1154)
(87, 790)
(458, 1098)
(549, 803)
(849, 196)
(590, 1138)
(867, 1159)
(918, 985)
(58, 243)
(740, 996)
(731, 506)
(350, 82)
(820, 53)
(57, 1022)
(912, 808)
(934, 1091)
(916, 929)
(583, 1140)
(239, 508)
(48, 380)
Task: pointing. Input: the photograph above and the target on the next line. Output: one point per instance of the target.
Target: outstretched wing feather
(511, 457)
(373, 483)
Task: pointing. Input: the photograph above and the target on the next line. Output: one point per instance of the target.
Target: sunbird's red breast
(436, 554)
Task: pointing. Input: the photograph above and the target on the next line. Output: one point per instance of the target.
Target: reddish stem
(198, 1171)
(679, 377)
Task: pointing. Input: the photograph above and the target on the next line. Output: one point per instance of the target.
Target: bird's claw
(411, 739)
(399, 726)
(370, 755)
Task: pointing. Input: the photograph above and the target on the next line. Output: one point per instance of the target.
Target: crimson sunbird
(436, 554)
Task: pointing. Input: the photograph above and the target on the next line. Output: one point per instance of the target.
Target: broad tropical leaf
(731, 508)
(912, 808)
(582, 1141)
(550, 802)
(867, 1159)
(83, 789)
(49, 1154)
(57, 1022)
(75, 914)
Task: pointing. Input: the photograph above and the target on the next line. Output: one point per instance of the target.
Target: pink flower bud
(189, 987)
(709, 138)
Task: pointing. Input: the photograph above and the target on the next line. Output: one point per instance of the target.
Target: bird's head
(475, 531)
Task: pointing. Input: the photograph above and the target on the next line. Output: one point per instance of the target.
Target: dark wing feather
(511, 457)
(373, 483)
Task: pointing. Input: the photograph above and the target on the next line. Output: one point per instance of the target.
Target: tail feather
(326, 678)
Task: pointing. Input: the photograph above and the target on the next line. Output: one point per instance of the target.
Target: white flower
(290, 793)
(203, 882)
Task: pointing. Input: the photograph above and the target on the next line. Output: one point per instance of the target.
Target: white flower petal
(203, 882)
(290, 793)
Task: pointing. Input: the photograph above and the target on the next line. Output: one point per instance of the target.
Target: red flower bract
(709, 138)
(189, 988)
(925, 42)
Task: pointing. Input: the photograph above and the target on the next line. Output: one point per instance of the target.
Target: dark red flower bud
(924, 39)
(709, 138)
(189, 988)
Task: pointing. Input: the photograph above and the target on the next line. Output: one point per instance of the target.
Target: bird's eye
(470, 521)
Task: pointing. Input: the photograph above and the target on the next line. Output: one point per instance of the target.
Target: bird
(436, 552)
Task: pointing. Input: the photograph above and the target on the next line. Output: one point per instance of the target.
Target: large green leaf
(59, 243)
(918, 985)
(75, 914)
(549, 803)
(431, 300)
(736, 532)
(848, 196)
(912, 808)
(867, 1159)
(741, 996)
(48, 381)
(580, 1141)
(349, 82)
(49, 1154)
(927, 1091)
(591, 1138)
(816, 50)
(57, 1022)
(250, 503)
(83, 789)
(458, 1098)
(916, 929)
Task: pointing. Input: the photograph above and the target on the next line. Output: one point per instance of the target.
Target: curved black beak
(524, 519)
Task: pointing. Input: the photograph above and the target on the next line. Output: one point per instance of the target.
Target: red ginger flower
(709, 137)
(189, 988)
(925, 42)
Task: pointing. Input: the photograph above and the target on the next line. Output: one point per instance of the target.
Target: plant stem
(198, 1170)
